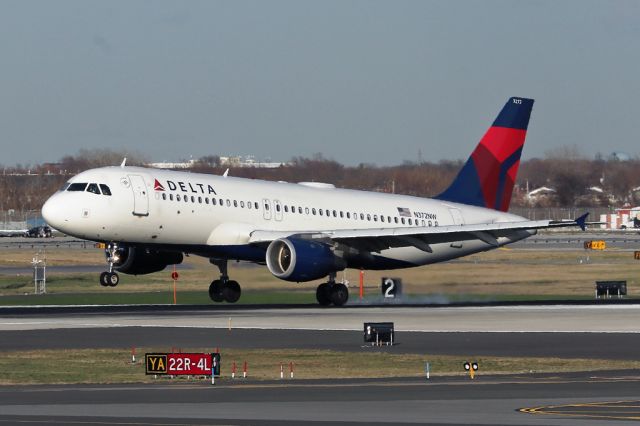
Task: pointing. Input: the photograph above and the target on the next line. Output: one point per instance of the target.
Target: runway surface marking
(50, 421)
(609, 410)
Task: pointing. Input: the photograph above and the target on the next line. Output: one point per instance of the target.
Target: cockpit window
(93, 188)
(105, 189)
(64, 187)
(77, 187)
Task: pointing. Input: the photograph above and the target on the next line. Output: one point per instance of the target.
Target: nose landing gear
(110, 278)
(224, 289)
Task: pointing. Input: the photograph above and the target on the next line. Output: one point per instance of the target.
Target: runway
(601, 332)
(487, 401)
(590, 318)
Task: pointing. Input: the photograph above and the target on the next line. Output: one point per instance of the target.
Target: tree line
(576, 180)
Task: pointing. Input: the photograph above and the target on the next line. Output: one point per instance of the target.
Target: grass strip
(102, 366)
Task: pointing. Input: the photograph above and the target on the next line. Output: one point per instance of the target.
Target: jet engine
(141, 260)
(294, 259)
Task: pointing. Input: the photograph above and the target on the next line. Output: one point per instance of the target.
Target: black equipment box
(611, 288)
(379, 332)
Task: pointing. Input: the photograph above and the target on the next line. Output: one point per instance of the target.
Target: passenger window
(375, 217)
(221, 202)
(266, 206)
(235, 203)
(286, 208)
(341, 213)
(381, 218)
(300, 210)
(402, 220)
(200, 200)
(368, 217)
(193, 199)
(171, 197)
(242, 204)
(328, 213)
(313, 211)
(164, 196)
(186, 199)
(214, 202)
(79, 187)
(361, 216)
(105, 189)
(293, 209)
(348, 215)
(178, 197)
(320, 212)
(228, 202)
(93, 188)
(395, 219)
(256, 205)
(206, 201)
(410, 222)
(249, 204)
(389, 219)
(277, 207)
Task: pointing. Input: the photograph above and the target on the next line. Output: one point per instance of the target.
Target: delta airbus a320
(150, 218)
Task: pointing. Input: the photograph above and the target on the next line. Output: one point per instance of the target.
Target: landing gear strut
(224, 289)
(332, 292)
(110, 278)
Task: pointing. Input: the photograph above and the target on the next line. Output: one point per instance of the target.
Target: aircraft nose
(53, 212)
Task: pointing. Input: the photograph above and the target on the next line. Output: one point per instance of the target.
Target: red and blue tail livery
(487, 178)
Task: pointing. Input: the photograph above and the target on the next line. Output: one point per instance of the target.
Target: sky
(379, 82)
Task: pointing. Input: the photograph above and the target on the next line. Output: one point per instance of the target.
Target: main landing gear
(224, 289)
(332, 292)
(110, 278)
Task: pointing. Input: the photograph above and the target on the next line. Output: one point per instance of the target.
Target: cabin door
(140, 196)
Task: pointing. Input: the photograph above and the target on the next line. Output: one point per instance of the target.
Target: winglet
(124, 162)
(582, 221)
(226, 173)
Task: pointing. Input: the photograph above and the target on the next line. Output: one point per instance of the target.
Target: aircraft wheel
(104, 282)
(231, 291)
(113, 279)
(323, 294)
(215, 291)
(339, 294)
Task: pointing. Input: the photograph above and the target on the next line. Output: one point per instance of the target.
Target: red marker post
(361, 284)
(244, 370)
(174, 277)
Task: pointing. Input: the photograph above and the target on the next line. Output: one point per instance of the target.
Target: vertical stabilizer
(488, 176)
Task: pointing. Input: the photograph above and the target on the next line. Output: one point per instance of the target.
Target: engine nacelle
(140, 260)
(294, 259)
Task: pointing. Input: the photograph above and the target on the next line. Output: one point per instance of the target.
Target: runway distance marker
(636, 255)
(181, 364)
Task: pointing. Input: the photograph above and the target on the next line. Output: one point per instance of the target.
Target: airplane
(150, 218)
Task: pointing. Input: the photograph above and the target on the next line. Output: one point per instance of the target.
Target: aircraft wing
(376, 239)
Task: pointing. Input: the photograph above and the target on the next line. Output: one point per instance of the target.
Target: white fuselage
(214, 216)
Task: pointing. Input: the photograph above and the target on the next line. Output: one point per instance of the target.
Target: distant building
(231, 161)
(166, 165)
(248, 161)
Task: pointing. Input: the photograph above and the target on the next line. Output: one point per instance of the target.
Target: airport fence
(16, 219)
